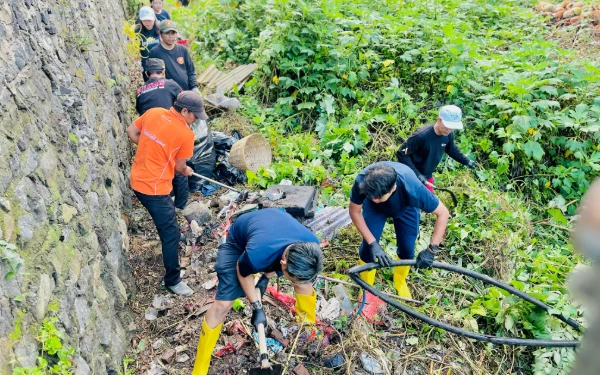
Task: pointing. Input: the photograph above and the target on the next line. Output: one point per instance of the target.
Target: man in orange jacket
(165, 142)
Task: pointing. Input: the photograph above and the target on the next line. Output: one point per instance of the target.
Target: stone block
(67, 213)
(82, 314)
(26, 351)
(44, 293)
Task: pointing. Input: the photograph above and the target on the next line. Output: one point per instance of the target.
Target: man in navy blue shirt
(269, 241)
(392, 190)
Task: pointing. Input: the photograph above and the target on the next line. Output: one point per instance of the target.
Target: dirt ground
(167, 344)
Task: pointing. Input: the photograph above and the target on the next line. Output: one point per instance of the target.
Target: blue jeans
(406, 224)
(162, 211)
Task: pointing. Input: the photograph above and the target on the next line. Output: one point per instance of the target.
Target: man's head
(191, 107)
(156, 5)
(168, 32)
(379, 183)
(302, 262)
(147, 17)
(449, 119)
(155, 68)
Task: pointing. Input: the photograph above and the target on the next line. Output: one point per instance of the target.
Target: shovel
(215, 182)
(265, 366)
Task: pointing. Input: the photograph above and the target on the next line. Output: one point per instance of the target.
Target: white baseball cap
(147, 14)
(451, 117)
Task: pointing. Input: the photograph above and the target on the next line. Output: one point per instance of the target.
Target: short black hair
(379, 180)
(304, 260)
(178, 108)
(154, 72)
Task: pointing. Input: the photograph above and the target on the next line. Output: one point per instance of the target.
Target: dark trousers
(162, 211)
(181, 190)
(406, 225)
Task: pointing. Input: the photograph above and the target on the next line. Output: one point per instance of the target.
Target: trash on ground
(328, 221)
(210, 284)
(343, 297)
(151, 313)
(182, 358)
(328, 309)
(168, 355)
(335, 361)
(160, 302)
(157, 344)
(273, 345)
(370, 364)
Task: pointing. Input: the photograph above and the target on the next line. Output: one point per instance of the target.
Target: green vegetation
(54, 357)
(341, 83)
(9, 256)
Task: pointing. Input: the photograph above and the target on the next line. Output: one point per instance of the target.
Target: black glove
(425, 258)
(262, 284)
(258, 317)
(422, 178)
(379, 255)
(472, 164)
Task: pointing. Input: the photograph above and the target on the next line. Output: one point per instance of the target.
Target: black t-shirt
(264, 235)
(148, 40)
(178, 65)
(424, 150)
(157, 92)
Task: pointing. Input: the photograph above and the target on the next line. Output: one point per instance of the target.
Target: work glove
(262, 284)
(258, 317)
(379, 255)
(425, 258)
(472, 164)
(422, 178)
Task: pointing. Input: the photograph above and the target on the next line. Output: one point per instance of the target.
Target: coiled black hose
(354, 274)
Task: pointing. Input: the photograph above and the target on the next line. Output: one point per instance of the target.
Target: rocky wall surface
(64, 162)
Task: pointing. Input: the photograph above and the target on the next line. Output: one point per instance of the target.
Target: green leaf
(412, 341)
(533, 150)
(509, 322)
(306, 105)
(238, 305)
(557, 215)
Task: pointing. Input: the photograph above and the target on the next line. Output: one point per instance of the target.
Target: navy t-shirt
(264, 235)
(156, 92)
(148, 40)
(410, 192)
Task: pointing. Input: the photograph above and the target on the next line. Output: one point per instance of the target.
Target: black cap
(154, 65)
(193, 103)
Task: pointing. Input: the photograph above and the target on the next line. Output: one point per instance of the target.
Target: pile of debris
(570, 12)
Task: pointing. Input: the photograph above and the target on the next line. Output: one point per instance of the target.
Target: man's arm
(191, 71)
(359, 222)
(182, 168)
(133, 133)
(454, 152)
(247, 284)
(441, 222)
(405, 151)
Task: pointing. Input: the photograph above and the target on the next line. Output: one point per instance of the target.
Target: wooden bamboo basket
(251, 152)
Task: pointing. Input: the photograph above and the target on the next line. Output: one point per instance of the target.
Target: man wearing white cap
(424, 149)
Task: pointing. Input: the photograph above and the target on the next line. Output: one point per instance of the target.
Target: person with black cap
(157, 92)
(178, 63)
(165, 142)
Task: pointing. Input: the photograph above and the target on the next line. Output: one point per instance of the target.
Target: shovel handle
(215, 182)
(262, 340)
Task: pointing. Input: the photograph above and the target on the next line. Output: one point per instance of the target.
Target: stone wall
(64, 164)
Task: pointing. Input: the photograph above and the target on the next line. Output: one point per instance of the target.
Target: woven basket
(250, 153)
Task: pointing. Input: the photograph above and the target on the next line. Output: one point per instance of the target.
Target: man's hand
(262, 284)
(425, 258)
(472, 164)
(258, 317)
(188, 171)
(379, 255)
(422, 178)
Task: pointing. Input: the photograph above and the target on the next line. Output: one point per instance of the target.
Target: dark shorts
(229, 287)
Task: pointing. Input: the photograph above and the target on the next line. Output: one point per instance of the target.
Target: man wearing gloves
(269, 241)
(424, 149)
(391, 190)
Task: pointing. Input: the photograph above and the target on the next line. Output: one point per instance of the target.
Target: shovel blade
(275, 369)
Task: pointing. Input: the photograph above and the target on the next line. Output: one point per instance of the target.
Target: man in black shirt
(178, 63)
(424, 149)
(157, 91)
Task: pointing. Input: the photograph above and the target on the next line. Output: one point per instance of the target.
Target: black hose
(354, 274)
(452, 195)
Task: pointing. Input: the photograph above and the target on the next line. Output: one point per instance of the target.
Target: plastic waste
(204, 159)
(335, 361)
(341, 293)
(370, 364)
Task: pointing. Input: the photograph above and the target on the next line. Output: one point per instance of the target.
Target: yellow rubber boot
(206, 345)
(367, 276)
(400, 273)
(306, 307)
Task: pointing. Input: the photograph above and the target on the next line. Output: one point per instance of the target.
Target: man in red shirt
(164, 142)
